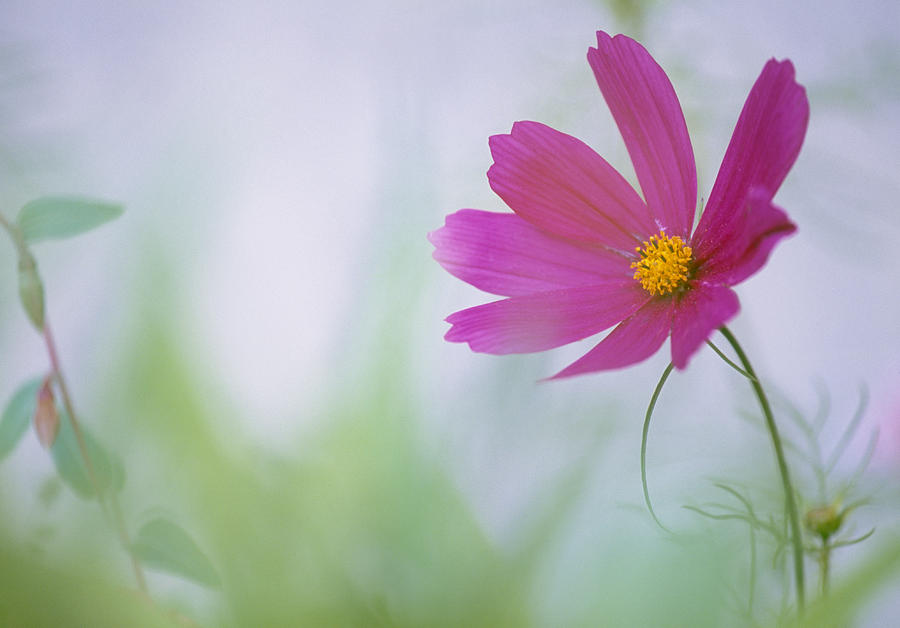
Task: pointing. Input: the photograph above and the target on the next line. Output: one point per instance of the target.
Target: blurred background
(259, 337)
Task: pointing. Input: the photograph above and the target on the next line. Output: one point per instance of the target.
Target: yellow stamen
(664, 265)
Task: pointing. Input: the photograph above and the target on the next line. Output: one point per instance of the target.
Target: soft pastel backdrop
(280, 164)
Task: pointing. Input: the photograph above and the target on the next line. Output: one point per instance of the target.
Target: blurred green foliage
(357, 526)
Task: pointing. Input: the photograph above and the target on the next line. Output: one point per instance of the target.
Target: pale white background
(285, 160)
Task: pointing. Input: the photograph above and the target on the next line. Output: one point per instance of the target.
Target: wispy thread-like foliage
(826, 492)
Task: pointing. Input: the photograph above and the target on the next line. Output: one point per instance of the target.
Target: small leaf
(162, 545)
(110, 472)
(17, 416)
(63, 216)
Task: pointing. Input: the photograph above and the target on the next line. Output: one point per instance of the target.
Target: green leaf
(17, 415)
(109, 470)
(160, 544)
(63, 217)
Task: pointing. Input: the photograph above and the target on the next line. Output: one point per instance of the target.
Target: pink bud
(46, 418)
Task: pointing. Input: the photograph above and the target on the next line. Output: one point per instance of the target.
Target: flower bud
(31, 290)
(46, 418)
(825, 520)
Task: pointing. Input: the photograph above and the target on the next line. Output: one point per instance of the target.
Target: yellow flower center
(664, 265)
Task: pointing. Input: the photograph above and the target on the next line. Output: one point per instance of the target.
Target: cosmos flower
(582, 250)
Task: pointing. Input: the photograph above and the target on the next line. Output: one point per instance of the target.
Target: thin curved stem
(15, 235)
(790, 502)
(102, 495)
(729, 361)
(70, 411)
(5, 224)
(646, 431)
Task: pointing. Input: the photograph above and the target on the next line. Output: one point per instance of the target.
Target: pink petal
(747, 240)
(634, 339)
(764, 146)
(700, 311)
(648, 115)
(559, 184)
(504, 254)
(536, 322)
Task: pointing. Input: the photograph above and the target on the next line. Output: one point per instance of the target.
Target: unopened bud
(825, 520)
(46, 418)
(31, 290)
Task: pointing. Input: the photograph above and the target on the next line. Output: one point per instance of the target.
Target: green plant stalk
(790, 502)
(752, 595)
(644, 434)
(13, 234)
(44, 327)
(102, 496)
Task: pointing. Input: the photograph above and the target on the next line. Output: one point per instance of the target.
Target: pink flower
(583, 251)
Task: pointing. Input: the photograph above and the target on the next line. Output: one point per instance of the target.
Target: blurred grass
(358, 525)
(36, 595)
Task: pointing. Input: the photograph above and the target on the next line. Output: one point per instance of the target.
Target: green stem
(752, 595)
(659, 386)
(14, 234)
(103, 497)
(790, 503)
(728, 361)
(824, 565)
